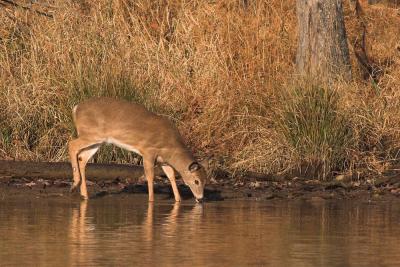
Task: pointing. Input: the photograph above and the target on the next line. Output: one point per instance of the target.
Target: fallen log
(63, 170)
(100, 171)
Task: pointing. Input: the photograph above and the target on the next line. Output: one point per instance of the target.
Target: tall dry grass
(221, 70)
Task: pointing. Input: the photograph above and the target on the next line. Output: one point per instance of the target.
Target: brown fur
(131, 126)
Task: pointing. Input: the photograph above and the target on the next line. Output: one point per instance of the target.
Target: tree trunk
(322, 48)
(63, 170)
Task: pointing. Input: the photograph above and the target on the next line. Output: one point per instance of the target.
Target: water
(124, 230)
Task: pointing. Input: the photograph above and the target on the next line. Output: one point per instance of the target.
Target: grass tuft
(316, 130)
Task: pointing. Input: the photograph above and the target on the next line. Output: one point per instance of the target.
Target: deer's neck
(180, 159)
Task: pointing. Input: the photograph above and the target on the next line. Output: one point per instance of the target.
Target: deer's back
(119, 119)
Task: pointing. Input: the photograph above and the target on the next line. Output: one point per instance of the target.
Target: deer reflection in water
(80, 234)
(169, 225)
(142, 230)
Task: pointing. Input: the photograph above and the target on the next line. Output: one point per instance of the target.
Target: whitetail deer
(132, 127)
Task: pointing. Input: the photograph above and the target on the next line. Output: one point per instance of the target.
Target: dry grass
(221, 70)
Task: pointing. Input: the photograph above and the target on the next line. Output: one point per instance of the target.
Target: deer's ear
(194, 166)
(206, 163)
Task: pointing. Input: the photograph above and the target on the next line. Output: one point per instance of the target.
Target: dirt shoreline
(387, 188)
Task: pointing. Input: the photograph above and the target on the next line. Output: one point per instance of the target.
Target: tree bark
(322, 47)
(63, 170)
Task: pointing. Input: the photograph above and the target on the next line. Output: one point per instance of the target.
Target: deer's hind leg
(73, 154)
(83, 158)
(80, 151)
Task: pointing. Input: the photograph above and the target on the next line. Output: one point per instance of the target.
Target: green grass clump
(316, 130)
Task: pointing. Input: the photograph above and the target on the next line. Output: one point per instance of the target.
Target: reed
(316, 131)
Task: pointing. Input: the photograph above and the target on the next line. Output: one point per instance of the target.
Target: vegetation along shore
(225, 73)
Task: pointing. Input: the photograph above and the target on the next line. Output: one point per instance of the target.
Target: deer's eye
(196, 182)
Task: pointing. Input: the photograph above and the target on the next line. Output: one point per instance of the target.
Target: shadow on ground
(209, 194)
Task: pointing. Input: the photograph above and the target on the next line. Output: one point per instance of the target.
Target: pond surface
(124, 230)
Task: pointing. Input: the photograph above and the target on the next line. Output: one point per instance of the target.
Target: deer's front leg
(148, 166)
(169, 171)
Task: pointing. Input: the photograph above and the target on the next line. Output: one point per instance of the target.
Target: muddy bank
(387, 188)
